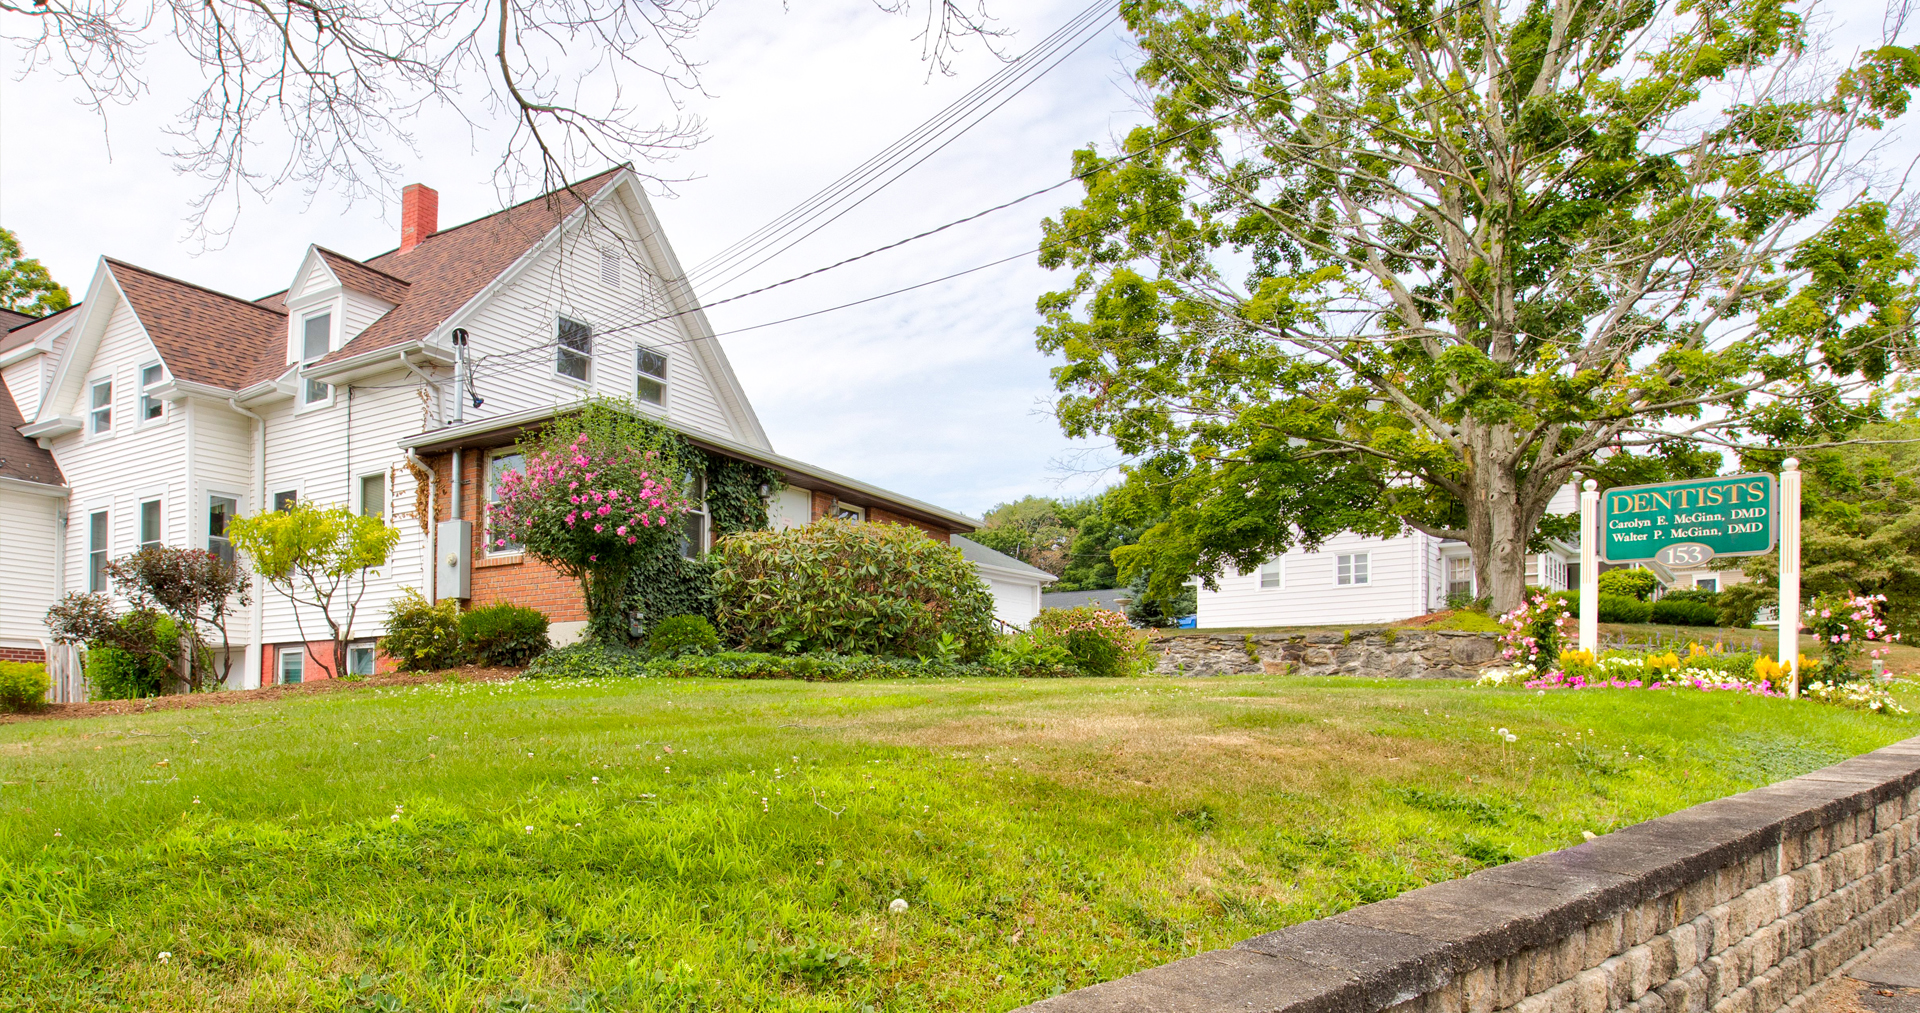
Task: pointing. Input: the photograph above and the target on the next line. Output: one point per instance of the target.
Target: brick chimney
(419, 214)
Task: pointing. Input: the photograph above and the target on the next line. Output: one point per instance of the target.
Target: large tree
(1384, 263)
(26, 286)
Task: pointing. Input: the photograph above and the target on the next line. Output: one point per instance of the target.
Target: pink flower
(597, 527)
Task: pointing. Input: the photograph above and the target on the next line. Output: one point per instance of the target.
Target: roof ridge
(188, 284)
(357, 263)
(584, 180)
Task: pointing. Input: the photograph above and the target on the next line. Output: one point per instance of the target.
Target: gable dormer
(332, 299)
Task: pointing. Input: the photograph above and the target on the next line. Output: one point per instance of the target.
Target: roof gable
(202, 335)
(20, 457)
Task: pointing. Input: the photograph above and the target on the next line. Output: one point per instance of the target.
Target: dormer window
(150, 377)
(315, 342)
(100, 411)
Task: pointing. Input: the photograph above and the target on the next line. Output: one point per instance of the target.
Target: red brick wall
(30, 655)
(319, 655)
(878, 515)
(519, 579)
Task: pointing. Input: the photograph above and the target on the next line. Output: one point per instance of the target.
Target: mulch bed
(189, 701)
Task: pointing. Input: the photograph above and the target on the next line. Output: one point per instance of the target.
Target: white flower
(1512, 737)
(899, 906)
(529, 830)
(165, 956)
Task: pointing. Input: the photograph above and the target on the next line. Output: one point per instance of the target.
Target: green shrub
(23, 685)
(1684, 613)
(837, 586)
(681, 636)
(589, 659)
(1620, 608)
(1032, 654)
(809, 667)
(422, 636)
(503, 635)
(1100, 641)
(1699, 594)
(116, 674)
(1629, 583)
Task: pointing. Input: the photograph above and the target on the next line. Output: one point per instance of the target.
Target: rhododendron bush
(600, 493)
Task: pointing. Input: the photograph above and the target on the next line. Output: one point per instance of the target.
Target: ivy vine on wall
(738, 493)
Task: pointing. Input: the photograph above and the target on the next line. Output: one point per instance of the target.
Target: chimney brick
(419, 214)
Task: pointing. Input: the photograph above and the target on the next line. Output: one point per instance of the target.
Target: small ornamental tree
(317, 558)
(1844, 624)
(601, 493)
(197, 588)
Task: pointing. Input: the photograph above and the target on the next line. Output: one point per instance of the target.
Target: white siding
(357, 313)
(28, 535)
(1309, 595)
(27, 380)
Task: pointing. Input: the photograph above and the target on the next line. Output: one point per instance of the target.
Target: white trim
(145, 392)
(303, 381)
(280, 663)
(92, 410)
(159, 500)
(299, 490)
(58, 425)
(486, 502)
(664, 379)
(1353, 566)
(37, 488)
(1279, 567)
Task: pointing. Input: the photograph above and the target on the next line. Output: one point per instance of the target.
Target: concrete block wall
(1741, 905)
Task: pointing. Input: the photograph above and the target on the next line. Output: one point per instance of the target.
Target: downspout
(430, 571)
(257, 649)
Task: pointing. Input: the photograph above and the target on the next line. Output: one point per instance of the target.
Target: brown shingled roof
(29, 332)
(10, 319)
(451, 266)
(204, 336)
(361, 278)
(20, 457)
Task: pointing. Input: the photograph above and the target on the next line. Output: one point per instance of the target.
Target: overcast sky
(938, 393)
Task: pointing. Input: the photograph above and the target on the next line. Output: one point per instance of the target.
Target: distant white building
(1354, 579)
(1016, 586)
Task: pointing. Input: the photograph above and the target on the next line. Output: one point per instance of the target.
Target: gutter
(259, 634)
(36, 488)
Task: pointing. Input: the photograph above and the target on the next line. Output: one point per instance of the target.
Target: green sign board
(1689, 523)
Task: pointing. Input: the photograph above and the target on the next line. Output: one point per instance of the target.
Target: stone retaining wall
(1377, 653)
(1741, 905)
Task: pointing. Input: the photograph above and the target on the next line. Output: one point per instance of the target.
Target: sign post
(1590, 567)
(1789, 653)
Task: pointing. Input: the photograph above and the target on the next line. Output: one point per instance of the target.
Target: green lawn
(447, 847)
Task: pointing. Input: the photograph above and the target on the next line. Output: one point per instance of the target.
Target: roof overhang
(419, 353)
(1035, 576)
(59, 425)
(504, 430)
(179, 390)
(32, 488)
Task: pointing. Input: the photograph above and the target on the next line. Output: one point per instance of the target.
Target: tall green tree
(25, 285)
(1378, 264)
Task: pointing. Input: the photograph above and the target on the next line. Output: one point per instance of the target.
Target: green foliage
(1032, 654)
(589, 659)
(503, 635)
(1073, 539)
(317, 558)
(681, 636)
(136, 660)
(851, 588)
(1620, 608)
(25, 285)
(1148, 612)
(422, 636)
(603, 492)
(1632, 583)
(1289, 341)
(819, 667)
(738, 493)
(23, 685)
(1680, 612)
(1028, 529)
(1100, 642)
(668, 584)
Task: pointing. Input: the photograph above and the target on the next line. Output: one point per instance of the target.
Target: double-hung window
(1351, 569)
(651, 385)
(316, 340)
(150, 524)
(100, 407)
(1273, 575)
(150, 377)
(1459, 575)
(693, 525)
(284, 501)
(293, 664)
(97, 551)
(373, 496)
(221, 511)
(497, 467)
(574, 353)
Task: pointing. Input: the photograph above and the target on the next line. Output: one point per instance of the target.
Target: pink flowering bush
(597, 497)
(1099, 641)
(1845, 624)
(1535, 630)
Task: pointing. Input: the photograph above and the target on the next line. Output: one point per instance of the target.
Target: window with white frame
(293, 664)
(373, 495)
(97, 550)
(221, 510)
(651, 384)
(100, 406)
(498, 465)
(150, 536)
(610, 268)
(1459, 575)
(1351, 569)
(574, 351)
(1707, 583)
(360, 659)
(848, 512)
(1273, 575)
(150, 377)
(284, 501)
(316, 340)
(693, 524)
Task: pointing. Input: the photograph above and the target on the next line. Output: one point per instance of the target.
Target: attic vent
(610, 268)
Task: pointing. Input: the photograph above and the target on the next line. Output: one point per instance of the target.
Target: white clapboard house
(155, 410)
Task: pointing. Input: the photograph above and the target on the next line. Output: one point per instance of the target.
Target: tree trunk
(1497, 528)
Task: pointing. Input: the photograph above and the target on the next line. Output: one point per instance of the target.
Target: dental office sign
(1687, 524)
